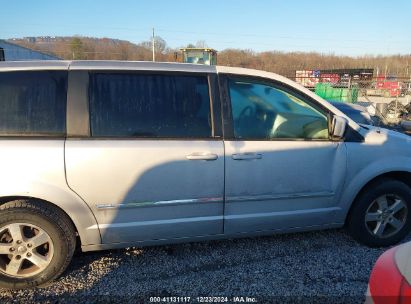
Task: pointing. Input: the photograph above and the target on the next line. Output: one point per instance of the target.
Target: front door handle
(247, 156)
(202, 156)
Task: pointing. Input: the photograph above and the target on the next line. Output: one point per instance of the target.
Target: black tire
(356, 222)
(52, 221)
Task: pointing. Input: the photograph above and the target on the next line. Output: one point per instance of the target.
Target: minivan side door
(282, 169)
(151, 164)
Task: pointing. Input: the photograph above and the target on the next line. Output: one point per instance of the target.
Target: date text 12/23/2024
(205, 299)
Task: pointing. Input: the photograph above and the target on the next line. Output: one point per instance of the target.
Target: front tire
(381, 215)
(37, 242)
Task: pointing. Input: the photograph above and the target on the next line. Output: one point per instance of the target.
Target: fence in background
(387, 97)
(355, 89)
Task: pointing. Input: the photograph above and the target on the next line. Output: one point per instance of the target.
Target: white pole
(153, 44)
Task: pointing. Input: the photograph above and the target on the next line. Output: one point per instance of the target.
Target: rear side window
(146, 105)
(33, 103)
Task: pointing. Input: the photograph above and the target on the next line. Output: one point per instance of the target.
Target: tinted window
(140, 105)
(33, 103)
(1, 54)
(262, 111)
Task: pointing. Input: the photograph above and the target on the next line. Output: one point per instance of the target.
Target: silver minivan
(108, 154)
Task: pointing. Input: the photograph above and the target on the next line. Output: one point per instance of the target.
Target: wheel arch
(399, 175)
(82, 219)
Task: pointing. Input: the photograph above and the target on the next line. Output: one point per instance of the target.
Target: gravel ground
(326, 266)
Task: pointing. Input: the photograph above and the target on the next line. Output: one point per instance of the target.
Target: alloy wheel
(25, 250)
(386, 215)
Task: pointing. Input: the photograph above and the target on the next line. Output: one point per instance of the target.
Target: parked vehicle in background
(386, 86)
(354, 111)
(339, 78)
(390, 279)
(111, 154)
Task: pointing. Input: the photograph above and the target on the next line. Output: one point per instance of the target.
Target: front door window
(262, 111)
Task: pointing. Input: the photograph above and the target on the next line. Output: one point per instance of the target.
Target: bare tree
(284, 63)
(160, 44)
(201, 44)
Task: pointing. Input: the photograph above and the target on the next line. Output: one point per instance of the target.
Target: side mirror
(338, 127)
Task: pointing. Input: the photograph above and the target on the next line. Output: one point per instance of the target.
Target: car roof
(134, 65)
(34, 65)
(105, 65)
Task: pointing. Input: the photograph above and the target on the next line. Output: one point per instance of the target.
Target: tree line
(284, 63)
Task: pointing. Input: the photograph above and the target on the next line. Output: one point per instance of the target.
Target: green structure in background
(328, 92)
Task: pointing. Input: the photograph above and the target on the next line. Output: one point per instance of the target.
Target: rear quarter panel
(35, 168)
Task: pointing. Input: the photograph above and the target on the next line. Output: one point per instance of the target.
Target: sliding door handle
(202, 156)
(247, 156)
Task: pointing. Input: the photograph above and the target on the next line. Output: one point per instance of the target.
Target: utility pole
(153, 44)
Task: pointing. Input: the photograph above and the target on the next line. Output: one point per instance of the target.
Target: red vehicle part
(387, 283)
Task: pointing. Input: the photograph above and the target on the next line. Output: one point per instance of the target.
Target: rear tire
(381, 215)
(37, 242)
